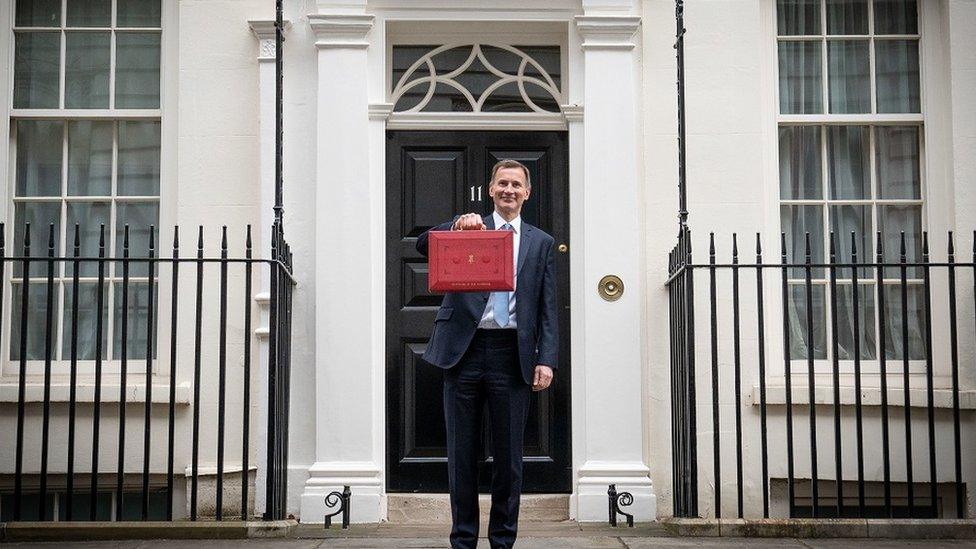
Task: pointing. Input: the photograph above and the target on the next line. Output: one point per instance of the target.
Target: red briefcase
(471, 261)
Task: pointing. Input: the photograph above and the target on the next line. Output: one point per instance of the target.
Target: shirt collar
(515, 223)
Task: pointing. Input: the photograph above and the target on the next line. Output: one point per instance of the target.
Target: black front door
(430, 177)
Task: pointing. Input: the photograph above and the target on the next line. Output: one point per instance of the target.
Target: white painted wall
(733, 187)
(216, 177)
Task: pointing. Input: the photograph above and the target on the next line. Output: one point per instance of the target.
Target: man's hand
(469, 222)
(543, 377)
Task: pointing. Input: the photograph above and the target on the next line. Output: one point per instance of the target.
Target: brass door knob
(611, 287)
(563, 248)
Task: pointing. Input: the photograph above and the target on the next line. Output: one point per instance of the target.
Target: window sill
(870, 396)
(61, 392)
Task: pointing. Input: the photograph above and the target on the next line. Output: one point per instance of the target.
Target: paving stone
(766, 543)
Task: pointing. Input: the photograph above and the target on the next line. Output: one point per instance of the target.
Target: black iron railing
(815, 481)
(120, 275)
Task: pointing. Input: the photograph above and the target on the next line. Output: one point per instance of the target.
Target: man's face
(508, 190)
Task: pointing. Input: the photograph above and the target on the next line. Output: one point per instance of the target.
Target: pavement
(569, 535)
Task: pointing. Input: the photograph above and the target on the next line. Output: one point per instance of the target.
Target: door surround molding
(605, 229)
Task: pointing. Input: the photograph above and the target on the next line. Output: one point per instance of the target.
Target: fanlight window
(476, 78)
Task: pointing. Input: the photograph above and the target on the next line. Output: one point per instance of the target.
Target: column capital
(264, 31)
(608, 32)
(341, 30)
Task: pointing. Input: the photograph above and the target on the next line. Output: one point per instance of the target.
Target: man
(495, 347)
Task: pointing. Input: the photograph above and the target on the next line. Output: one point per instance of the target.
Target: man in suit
(495, 347)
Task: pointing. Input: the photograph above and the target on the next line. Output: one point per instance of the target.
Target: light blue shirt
(488, 317)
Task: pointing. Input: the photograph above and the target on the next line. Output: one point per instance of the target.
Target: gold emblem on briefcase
(470, 258)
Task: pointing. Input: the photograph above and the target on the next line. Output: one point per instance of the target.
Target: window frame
(166, 198)
(935, 185)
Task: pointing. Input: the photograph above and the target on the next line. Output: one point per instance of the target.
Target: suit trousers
(488, 372)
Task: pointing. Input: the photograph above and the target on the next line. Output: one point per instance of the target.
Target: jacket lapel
(525, 240)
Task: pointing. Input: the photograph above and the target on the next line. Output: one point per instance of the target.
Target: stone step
(436, 508)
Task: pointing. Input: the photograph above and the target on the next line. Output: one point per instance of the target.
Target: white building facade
(801, 117)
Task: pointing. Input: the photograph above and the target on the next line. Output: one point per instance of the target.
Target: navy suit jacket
(535, 306)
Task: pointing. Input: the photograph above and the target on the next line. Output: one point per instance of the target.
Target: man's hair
(509, 163)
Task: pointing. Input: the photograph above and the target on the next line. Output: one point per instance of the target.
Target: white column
(609, 443)
(349, 421)
(264, 31)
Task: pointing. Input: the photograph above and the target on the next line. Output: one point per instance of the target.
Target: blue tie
(499, 300)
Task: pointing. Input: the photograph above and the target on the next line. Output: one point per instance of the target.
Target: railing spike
(152, 238)
(853, 244)
(782, 245)
(880, 247)
(925, 245)
(223, 238)
(903, 255)
(758, 248)
(101, 235)
(200, 238)
(77, 238)
(125, 238)
(711, 245)
(806, 253)
(247, 239)
(176, 237)
(735, 247)
(833, 252)
(950, 247)
(27, 233)
(50, 236)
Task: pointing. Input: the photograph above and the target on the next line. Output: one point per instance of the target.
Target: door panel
(432, 176)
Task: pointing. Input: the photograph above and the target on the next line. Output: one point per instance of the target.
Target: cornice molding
(380, 111)
(264, 31)
(339, 30)
(608, 32)
(572, 113)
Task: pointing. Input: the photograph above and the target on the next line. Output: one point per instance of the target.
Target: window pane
(895, 17)
(845, 321)
(799, 162)
(90, 13)
(800, 74)
(847, 17)
(848, 165)
(86, 69)
(138, 173)
(81, 506)
(89, 216)
(37, 59)
(139, 216)
(90, 158)
(28, 507)
(137, 70)
(39, 157)
(797, 222)
(843, 221)
(894, 220)
(138, 13)
(799, 336)
(36, 320)
(87, 321)
(898, 162)
(38, 13)
(40, 215)
(795, 17)
(136, 321)
(894, 316)
(897, 75)
(849, 74)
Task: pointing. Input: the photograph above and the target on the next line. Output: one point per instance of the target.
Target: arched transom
(481, 77)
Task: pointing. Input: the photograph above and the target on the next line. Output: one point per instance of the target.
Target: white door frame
(605, 221)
